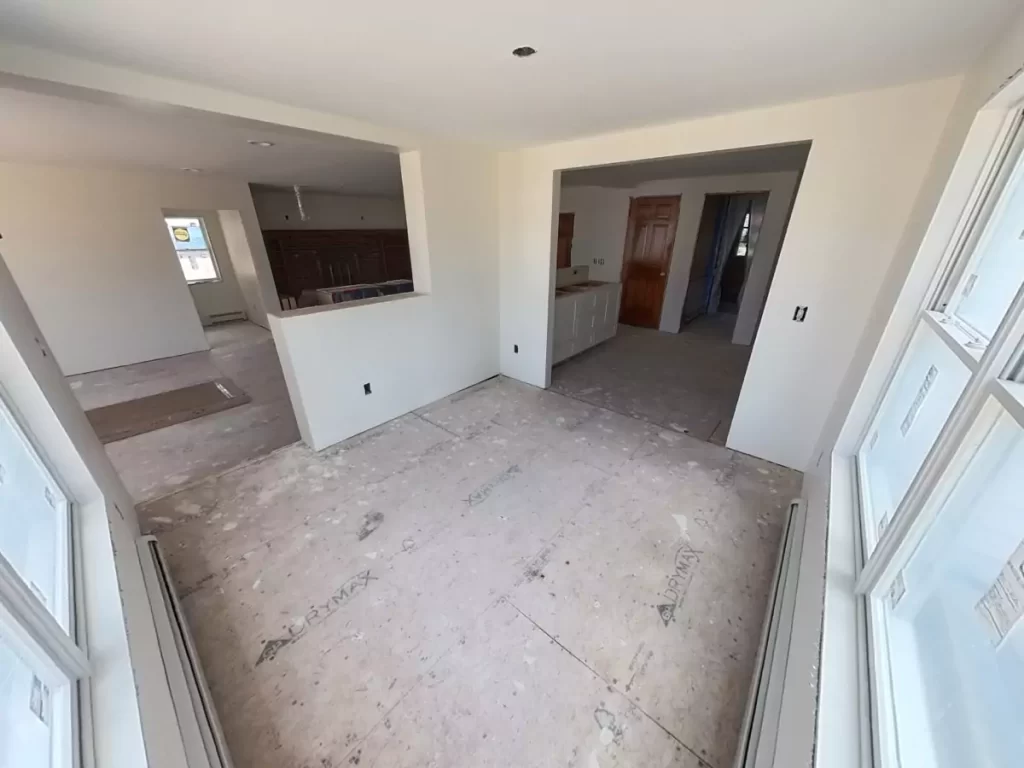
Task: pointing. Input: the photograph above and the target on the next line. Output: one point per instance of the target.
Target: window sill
(841, 741)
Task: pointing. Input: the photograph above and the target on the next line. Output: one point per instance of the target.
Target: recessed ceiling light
(260, 143)
(523, 52)
(192, 170)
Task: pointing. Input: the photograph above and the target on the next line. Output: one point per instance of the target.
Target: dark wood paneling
(307, 259)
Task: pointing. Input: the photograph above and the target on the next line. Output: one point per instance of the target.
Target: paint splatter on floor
(507, 577)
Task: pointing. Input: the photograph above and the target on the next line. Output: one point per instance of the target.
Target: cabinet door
(565, 318)
(600, 314)
(585, 317)
(612, 315)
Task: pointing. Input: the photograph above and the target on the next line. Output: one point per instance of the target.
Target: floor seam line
(634, 416)
(601, 677)
(460, 639)
(435, 424)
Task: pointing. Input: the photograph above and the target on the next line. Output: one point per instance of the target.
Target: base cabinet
(585, 319)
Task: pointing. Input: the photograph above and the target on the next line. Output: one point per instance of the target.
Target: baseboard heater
(761, 721)
(225, 317)
(200, 729)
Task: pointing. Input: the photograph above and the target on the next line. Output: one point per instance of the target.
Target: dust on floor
(688, 382)
(508, 577)
(156, 463)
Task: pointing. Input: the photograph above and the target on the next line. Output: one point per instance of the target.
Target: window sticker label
(39, 700)
(897, 590)
(1002, 605)
(922, 393)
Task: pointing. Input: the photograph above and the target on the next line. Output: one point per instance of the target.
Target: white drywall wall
(276, 209)
(90, 252)
(830, 540)
(222, 296)
(411, 349)
(602, 215)
(869, 156)
(129, 696)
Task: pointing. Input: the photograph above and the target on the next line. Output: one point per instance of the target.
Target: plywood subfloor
(688, 382)
(509, 577)
(156, 463)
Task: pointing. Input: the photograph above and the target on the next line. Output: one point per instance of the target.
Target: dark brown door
(566, 221)
(650, 234)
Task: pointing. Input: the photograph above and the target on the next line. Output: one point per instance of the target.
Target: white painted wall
(829, 563)
(223, 296)
(412, 349)
(327, 211)
(129, 696)
(869, 156)
(90, 252)
(602, 216)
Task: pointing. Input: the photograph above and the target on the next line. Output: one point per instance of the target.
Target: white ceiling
(783, 157)
(58, 130)
(445, 67)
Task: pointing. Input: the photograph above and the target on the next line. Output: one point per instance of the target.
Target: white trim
(998, 358)
(841, 742)
(999, 168)
(955, 338)
(1010, 395)
(28, 621)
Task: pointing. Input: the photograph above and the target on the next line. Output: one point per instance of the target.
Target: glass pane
(998, 269)
(953, 623)
(33, 521)
(928, 382)
(194, 254)
(27, 726)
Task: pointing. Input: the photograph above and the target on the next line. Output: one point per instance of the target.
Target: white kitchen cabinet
(584, 318)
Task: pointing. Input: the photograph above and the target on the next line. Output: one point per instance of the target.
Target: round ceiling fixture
(523, 52)
(260, 143)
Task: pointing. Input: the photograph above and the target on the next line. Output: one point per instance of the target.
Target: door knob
(662, 274)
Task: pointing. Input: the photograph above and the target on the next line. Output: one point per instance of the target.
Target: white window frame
(209, 247)
(60, 657)
(993, 364)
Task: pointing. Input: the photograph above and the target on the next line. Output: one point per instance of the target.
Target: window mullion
(998, 358)
(26, 619)
(1000, 169)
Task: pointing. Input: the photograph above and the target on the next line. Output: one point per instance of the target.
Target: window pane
(26, 715)
(954, 629)
(998, 269)
(194, 253)
(33, 522)
(928, 382)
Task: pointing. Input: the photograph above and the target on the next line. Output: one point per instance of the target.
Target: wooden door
(566, 222)
(650, 235)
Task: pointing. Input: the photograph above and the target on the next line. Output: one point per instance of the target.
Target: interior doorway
(662, 279)
(650, 237)
(202, 253)
(566, 224)
(724, 249)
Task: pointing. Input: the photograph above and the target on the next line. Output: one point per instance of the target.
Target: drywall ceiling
(786, 157)
(445, 66)
(58, 130)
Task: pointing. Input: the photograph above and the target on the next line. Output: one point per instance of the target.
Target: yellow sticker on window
(181, 234)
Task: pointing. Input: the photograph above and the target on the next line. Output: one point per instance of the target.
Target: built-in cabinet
(585, 315)
(303, 260)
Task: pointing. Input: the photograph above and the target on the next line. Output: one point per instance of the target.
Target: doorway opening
(663, 269)
(724, 250)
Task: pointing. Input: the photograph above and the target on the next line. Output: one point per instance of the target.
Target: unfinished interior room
(442, 386)
(662, 271)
